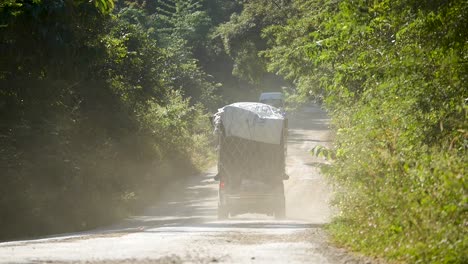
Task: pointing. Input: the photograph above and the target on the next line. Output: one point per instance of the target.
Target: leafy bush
(398, 197)
(92, 122)
(393, 75)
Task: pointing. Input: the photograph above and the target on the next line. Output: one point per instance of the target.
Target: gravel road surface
(182, 227)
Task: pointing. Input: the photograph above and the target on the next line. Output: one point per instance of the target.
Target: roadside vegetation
(103, 102)
(394, 77)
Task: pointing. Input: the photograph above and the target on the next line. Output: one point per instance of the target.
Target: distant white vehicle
(275, 99)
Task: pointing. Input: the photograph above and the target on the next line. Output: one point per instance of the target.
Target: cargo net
(246, 159)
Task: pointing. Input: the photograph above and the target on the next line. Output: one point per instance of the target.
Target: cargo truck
(251, 146)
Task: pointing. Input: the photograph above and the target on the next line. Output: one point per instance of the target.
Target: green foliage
(179, 129)
(323, 152)
(104, 6)
(181, 28)
(181, 20)
(241, 36)
(33, 47)
(95, 114)
(393, 75)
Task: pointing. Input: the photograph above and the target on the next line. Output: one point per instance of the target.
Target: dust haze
(182, 226)
(307, 192)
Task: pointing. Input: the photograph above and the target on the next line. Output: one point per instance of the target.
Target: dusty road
(182, 228)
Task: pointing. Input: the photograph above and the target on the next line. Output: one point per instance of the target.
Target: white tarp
(252, 121)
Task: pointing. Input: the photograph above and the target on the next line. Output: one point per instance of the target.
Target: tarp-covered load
(251, 149)
(252, 121)
(251, 143)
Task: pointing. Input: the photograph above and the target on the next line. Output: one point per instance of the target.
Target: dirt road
(182, 227)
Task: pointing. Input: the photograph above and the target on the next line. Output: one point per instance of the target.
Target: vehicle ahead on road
(275, 99)
(251, 159)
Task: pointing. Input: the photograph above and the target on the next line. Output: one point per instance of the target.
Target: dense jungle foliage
(99, 99)
(101, 103)
(394, 76)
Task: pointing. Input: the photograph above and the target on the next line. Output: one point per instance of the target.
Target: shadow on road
(192, 204)
(196, 208)
(295, 136)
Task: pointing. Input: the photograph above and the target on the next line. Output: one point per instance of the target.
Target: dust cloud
(307, 192)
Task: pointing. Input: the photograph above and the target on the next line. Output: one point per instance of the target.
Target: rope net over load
(251, 144)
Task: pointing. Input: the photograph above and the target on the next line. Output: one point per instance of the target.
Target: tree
(91, 114)
(393, 75)
(241, 35)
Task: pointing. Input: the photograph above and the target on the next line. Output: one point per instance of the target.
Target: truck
(275, 99)
(251, 145)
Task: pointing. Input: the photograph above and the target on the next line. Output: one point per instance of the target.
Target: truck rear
(251, 159)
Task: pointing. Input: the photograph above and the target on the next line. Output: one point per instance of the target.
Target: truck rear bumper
(266, 204)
